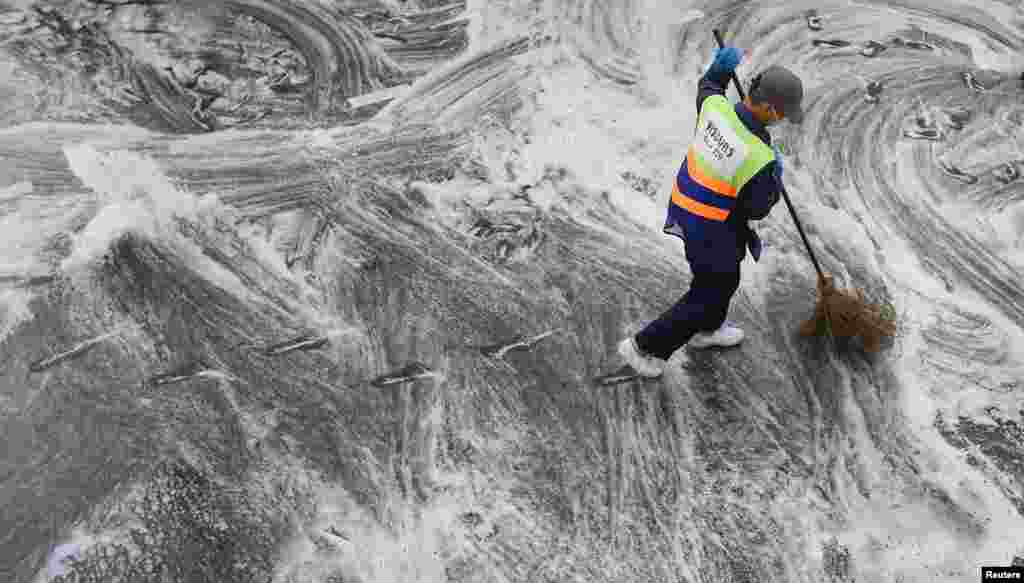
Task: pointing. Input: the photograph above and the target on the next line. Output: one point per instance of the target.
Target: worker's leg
(727, 283)
(702, 308)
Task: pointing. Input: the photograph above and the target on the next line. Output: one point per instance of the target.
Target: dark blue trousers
(701, 309)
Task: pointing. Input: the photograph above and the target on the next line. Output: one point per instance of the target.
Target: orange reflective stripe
(719, 186)
(696, 207)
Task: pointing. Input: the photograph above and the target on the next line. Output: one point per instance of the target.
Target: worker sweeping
(731, 174)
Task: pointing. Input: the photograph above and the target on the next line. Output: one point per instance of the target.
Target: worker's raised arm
(716, 78)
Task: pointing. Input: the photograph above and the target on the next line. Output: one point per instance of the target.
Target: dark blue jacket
(720, 246)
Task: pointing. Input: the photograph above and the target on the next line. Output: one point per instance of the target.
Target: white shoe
(646, 365)
(727, 335)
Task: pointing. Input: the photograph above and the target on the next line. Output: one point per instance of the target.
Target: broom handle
(785, 195)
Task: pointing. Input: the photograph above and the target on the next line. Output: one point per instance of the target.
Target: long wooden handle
(785, 195)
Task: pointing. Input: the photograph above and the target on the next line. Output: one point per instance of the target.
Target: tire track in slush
(643, 463)
(893, 202)
(416, 403)
(616, 450)
(610, 36)
(344, 58)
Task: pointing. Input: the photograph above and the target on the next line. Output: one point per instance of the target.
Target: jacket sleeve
(760, 194)
(711, 84)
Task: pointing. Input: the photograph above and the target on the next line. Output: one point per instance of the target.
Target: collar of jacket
(752, 123)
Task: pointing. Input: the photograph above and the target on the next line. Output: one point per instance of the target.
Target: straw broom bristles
(842, 314)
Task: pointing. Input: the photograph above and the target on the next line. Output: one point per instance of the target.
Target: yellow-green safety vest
(723, 157)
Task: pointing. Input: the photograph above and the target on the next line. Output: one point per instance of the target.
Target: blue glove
(726, 59)
(778, 164)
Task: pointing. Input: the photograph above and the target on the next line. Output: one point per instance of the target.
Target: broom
(837, 313)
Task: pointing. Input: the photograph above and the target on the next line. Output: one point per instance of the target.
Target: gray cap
(782, 88)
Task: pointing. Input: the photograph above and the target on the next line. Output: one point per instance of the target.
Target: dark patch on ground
(1002, 444)
(193, 529)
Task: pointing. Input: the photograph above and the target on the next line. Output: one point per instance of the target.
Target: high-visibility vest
(724, 156)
